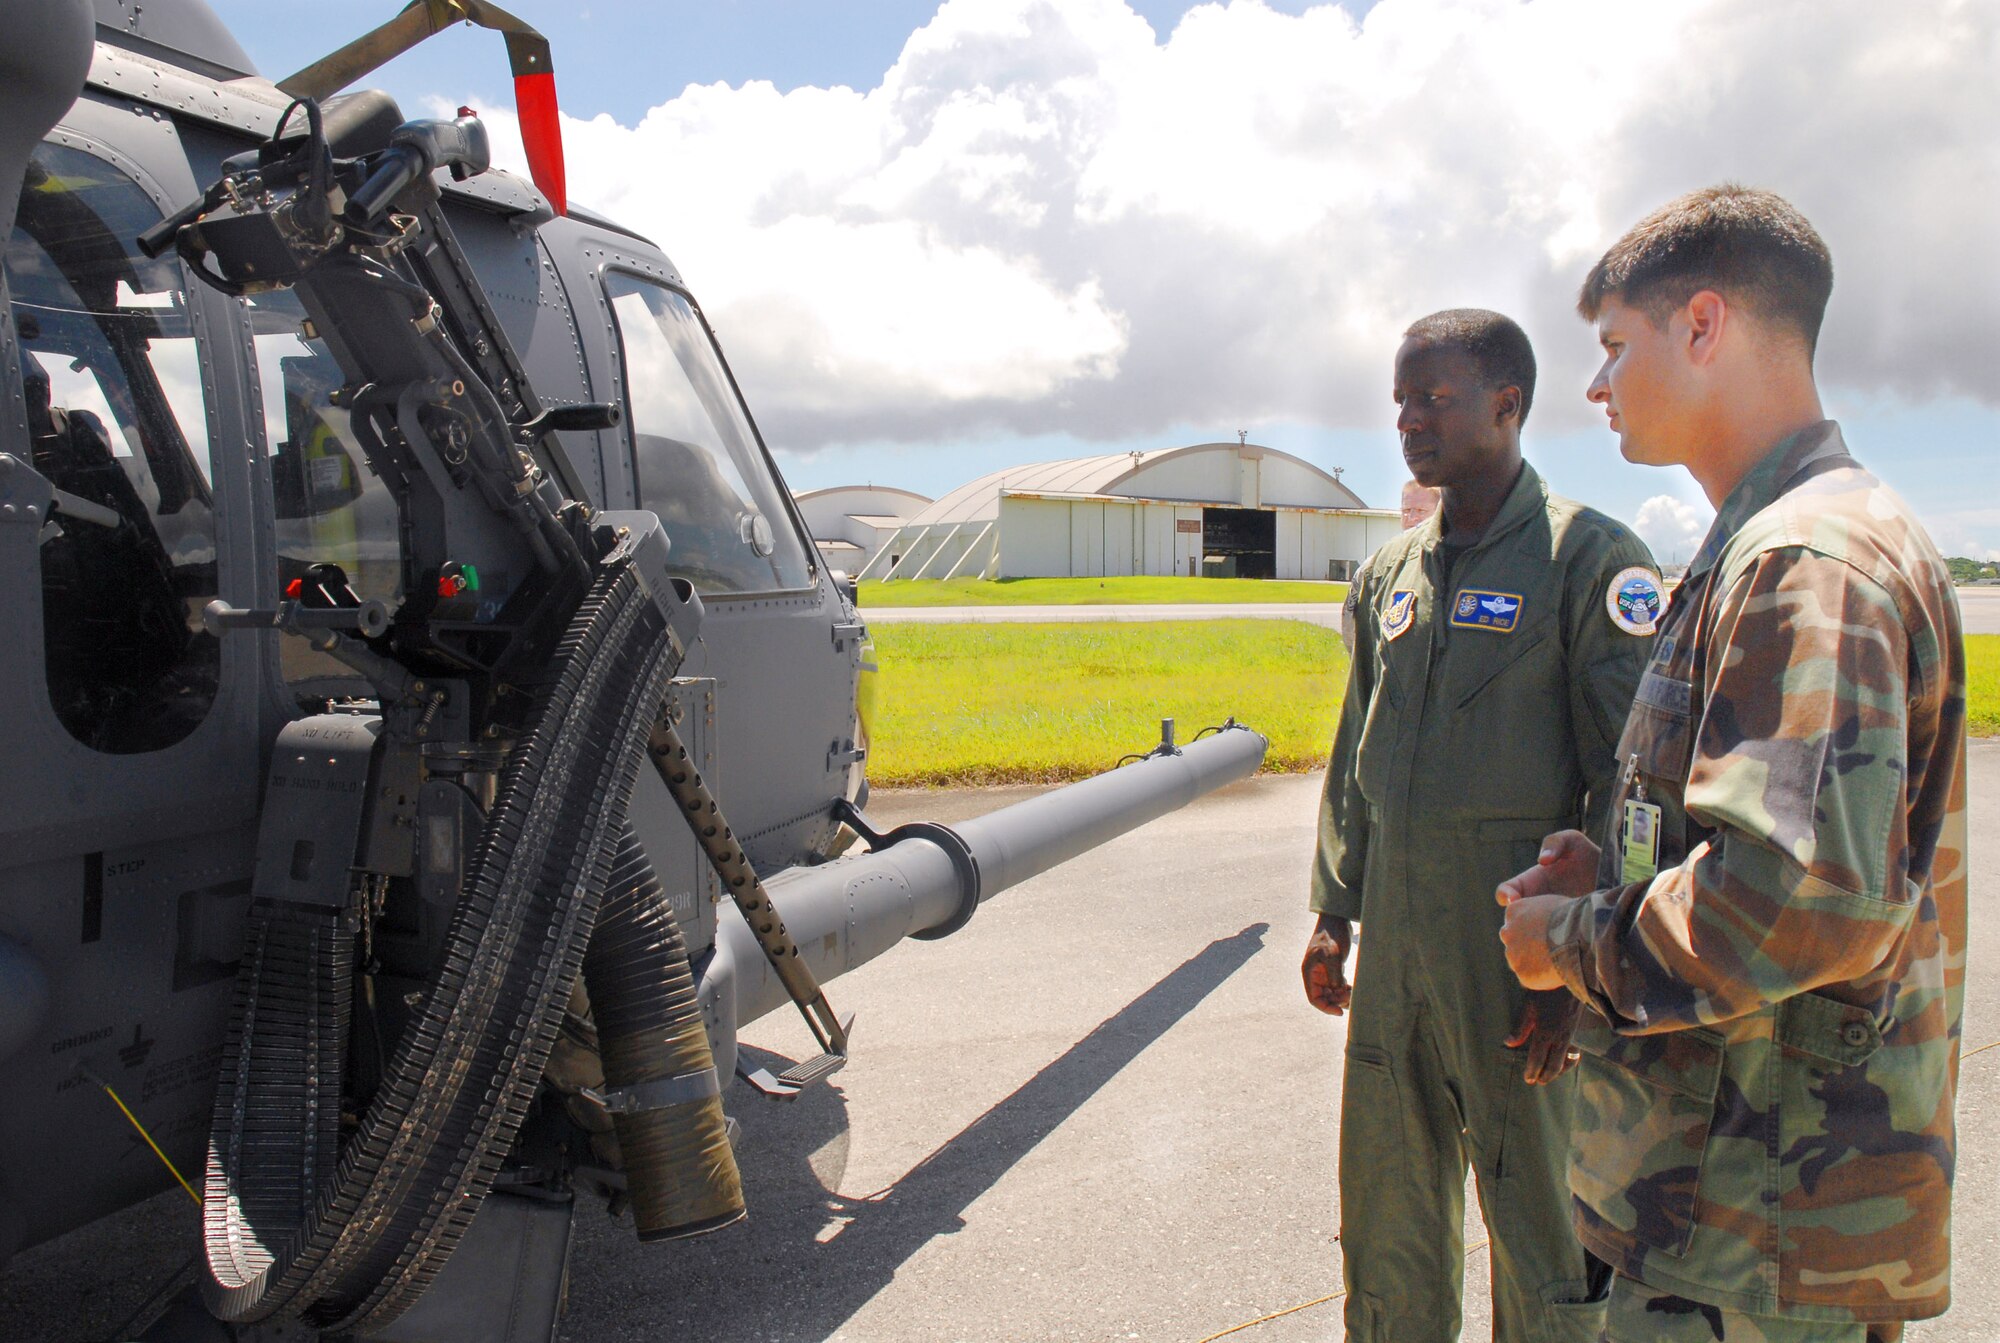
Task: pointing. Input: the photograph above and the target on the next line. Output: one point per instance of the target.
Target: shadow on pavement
(772, 1278)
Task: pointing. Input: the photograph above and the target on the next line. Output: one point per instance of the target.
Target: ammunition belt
(351, 1242)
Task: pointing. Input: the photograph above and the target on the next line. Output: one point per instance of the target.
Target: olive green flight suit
(1482, 713)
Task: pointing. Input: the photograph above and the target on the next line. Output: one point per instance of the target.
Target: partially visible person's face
(1419, 503)
(1449, 419)
(1643, 386)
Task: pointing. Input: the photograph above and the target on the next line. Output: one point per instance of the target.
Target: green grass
(982, 704)
(977, 704)
(1143, 590)
(1982, 685)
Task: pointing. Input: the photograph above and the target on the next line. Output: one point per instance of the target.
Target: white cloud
(1046, 219)
(1960, 532)
(1672, 528)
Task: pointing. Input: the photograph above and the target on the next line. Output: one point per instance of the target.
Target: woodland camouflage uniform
(1469, 732)
(1764, 1107)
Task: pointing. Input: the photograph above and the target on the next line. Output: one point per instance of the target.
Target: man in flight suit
(1419, 503)
(1772, 945)
(1490, 676)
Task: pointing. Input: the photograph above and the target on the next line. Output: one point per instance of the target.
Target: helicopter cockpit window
(699, 465)
(119, 425)
(331, 508)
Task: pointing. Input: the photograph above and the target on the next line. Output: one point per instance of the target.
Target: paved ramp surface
(1101, 1112)
(1980, 608)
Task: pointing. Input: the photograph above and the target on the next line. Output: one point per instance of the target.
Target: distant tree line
(1964, 570)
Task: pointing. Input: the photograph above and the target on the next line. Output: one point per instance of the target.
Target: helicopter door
(128, 804)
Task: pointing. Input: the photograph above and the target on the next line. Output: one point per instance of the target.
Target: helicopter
(433, 731)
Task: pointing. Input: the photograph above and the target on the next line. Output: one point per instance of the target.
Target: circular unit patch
(1636, 600)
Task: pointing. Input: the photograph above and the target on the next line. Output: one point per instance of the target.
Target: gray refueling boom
(925, 881)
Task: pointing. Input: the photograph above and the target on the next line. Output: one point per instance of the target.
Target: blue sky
(1033, 231)
(622, 57)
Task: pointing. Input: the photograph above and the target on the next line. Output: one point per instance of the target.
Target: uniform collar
(1528, 497)
(1771, 477)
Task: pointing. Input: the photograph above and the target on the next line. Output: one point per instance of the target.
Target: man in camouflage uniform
(1773, 956)
(1490, 675)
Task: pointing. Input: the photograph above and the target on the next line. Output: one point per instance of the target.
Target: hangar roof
(1118, 473)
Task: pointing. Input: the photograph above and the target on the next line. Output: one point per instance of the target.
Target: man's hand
(1568, 866)
(1544, 1031)
(1525, 932)
(1325, 965)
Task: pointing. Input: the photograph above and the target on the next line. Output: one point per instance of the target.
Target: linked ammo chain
(704, 817)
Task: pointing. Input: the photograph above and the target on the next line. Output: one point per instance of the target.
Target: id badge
(1640, 841)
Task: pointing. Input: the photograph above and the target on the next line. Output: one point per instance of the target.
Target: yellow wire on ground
(127, 1112)
(1470, 1250)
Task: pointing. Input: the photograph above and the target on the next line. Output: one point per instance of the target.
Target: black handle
(591, 415)
(160, 237)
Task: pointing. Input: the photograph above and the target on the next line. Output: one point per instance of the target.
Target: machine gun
(324, 1181)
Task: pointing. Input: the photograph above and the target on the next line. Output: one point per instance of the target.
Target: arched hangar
(850, 523)
(1220, 509)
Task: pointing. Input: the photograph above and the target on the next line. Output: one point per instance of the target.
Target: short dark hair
(1750, 246)
(1495, 342)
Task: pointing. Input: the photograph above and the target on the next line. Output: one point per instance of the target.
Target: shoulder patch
(1636, 600)
(1499, 612)
(1397, 615)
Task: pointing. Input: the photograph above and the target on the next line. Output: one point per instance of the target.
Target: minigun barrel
(847, 912)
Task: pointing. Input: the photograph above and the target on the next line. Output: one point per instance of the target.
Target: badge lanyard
(1639, 838)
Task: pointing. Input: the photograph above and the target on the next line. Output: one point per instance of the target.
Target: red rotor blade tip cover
(541, 135)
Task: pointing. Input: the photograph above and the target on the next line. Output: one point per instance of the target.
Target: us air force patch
(1636, 600)
(1499, 612)
(1397, 615)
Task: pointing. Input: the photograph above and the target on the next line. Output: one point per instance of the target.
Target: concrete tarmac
(1102, 1112)
(1980, 609)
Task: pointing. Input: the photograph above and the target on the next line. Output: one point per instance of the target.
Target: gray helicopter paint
(192, 34)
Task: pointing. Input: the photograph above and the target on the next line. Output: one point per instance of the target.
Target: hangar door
(1247, 539)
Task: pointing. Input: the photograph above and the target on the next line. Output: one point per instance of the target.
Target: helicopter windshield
(698, 464)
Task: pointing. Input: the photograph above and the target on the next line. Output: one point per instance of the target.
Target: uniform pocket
(1509, 751)
(1838, 1133)
(1575, 1310)
(1644, 1108)
(1381, 732)
(1661, 729)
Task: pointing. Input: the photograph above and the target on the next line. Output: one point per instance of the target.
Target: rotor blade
(527, 55)
(534, 100)
(331, 73)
